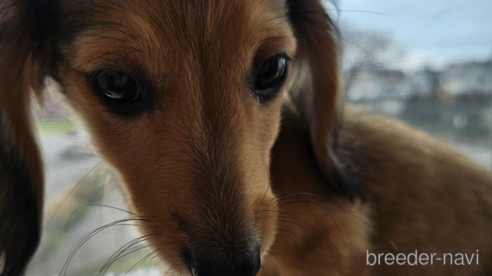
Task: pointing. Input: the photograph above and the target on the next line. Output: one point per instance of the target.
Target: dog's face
(184, 100)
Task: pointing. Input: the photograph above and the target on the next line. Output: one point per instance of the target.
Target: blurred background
(428, 63)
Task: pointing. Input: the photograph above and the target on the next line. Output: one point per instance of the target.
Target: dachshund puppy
(223, 119)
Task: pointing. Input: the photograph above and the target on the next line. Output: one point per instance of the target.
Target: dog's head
(184, 99)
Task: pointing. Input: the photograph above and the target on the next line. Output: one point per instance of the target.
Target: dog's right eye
(117, 87)
(118, 92)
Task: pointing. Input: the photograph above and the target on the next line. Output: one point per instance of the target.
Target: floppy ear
(24, 63)
(316, 87)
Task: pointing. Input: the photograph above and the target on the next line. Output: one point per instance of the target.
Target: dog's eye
(119, 92)
(269, 77)
(117, 87)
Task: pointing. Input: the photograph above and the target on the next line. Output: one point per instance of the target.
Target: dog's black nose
(224, 263)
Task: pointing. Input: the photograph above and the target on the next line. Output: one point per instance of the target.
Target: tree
(366, 49)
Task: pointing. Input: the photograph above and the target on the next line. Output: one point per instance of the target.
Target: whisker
(88, 236)
(119, 253)
(71, 191)
(141, 261)
(361, 11)
(289, 231)
(170, 270)
(98, 205)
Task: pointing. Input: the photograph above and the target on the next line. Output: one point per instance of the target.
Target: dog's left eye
(269, 77)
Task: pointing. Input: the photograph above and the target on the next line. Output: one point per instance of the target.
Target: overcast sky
(432, 32)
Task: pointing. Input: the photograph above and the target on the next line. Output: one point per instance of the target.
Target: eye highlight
(269, 77)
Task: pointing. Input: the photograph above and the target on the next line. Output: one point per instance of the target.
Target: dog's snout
(224, 263)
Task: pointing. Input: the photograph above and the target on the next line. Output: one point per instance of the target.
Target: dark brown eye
(269, 77)
(120, 93)
(117, 87)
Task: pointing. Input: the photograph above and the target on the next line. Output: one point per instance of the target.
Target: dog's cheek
(133, 151)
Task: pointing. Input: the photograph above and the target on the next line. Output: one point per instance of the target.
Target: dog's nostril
(208, 263)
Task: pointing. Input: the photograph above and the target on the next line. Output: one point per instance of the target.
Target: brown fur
(213, 172)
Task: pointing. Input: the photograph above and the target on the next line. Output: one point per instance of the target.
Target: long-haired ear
(24, 29)
(316, 86)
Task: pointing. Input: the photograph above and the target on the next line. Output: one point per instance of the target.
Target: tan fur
(421, 196)
(208, 168)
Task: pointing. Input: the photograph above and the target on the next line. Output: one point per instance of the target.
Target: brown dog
(222, 118)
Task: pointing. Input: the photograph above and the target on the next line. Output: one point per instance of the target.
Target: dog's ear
(315, 89)
(26, 27)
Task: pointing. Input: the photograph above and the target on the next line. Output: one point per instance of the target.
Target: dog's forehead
(198, 29)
